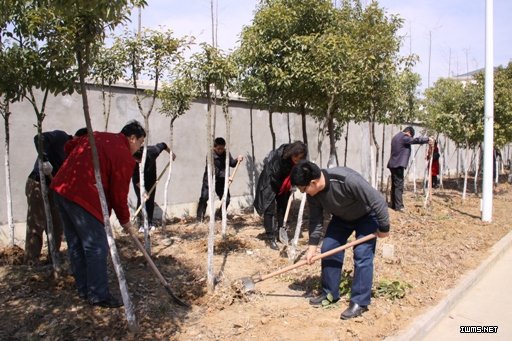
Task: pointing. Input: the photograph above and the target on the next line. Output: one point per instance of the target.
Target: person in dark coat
(219, 162)
(150, 177)
(273, 188)
(53, 158)
(398, 161)
(355, 207)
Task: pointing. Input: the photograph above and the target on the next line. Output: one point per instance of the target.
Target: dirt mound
(12, 255)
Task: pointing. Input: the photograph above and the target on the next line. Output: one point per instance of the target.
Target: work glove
(47, 168)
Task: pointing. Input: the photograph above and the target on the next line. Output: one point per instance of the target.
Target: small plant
(346, 283)
(391, 289)
(328, 302)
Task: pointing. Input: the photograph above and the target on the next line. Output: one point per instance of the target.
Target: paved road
(487, 303)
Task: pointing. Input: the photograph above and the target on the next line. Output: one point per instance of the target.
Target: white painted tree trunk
(477, 169)
(210, 277)
(227, 171)
(8, 193)
(168, 179)
(128, 305)
(142, 188)
(466, 169)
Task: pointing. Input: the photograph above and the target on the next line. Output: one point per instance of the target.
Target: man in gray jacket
(398, 161)
(355, 207)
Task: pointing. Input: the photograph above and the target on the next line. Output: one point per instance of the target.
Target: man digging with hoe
(355, 207)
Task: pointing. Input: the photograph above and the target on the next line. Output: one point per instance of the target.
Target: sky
(451, 32)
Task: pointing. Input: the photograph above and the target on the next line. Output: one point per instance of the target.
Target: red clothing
(76, 182)
(435, 161)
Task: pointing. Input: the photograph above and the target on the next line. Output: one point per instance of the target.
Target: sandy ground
(433, 248)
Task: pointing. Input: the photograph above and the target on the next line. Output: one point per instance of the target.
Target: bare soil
(433, 248)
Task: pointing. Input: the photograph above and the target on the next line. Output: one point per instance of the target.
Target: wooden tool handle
(234, 172)
(320, 256)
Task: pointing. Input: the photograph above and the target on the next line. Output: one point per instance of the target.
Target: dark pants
(36, 221)
(276, 208)
(150, 202)
(397, 187)
(87, 249)
(203, 200)
(336, 235)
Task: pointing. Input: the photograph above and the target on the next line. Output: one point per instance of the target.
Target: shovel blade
(283, 235)
(248, 284)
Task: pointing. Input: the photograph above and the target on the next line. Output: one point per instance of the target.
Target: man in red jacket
(80, 208)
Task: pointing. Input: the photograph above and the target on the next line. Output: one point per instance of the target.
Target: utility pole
(488, 115)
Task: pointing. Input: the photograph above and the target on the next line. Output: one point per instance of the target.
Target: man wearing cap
(398, 161)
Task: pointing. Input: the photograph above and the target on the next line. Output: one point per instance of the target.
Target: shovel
(155, 270)
(230, 180)
(283, 230)
(249, 283)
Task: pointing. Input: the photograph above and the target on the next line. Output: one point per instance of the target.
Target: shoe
(152, 227)
(400, 210)
(141, 229)
(323, 300)
(353, 310)
(272, 243)
(109, 302)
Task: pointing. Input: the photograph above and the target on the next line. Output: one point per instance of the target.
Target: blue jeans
(87, 249)
(336, 235)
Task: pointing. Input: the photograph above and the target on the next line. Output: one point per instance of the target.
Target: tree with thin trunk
(33, 36)
(83, 25)
(10, 91)
(176, 98)
(208, 74)
(152, 54)
(452, 108)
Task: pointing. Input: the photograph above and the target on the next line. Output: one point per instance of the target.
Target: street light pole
(488, 115)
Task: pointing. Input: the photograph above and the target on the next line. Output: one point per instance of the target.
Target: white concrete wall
(66, 113)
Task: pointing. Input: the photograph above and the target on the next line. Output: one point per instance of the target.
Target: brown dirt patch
(433, 248)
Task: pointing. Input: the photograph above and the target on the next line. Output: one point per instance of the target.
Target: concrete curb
(419, 328)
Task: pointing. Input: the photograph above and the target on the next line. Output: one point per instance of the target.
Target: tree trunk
(304, 125)
(428, 192)
(298, 227)
(346, 145)
(332, 138)
(210, 276)
(320, 140)
(142, 188)
(8, 193)
(227, 171)
(466, 169)
(128, 306)
(168, 180)
(477, 169)
(288, 125)
(382, 158)
(374, 163)
(271, 126)
(253, 157)
(44, 187)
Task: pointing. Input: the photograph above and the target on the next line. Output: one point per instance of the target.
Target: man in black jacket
(150, 177)
(273, 188)
(398, 161)
(355, 207)
(219, 161)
